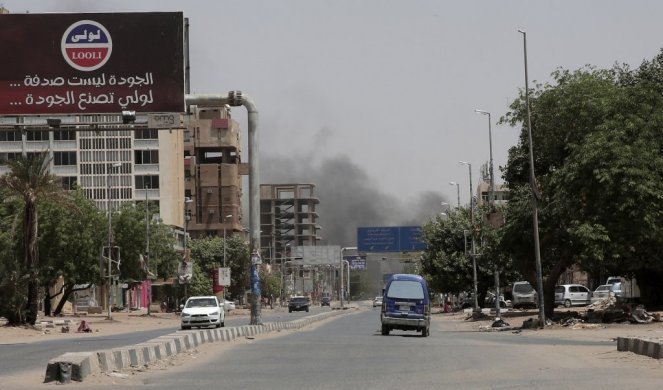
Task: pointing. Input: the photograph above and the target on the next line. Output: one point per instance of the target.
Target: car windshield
(298, 299)
(524, 288)
(202, 302)
(559, 289)
(405, 289)
(603, 288)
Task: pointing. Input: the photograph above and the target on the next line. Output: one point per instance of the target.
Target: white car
(377, 301)
(202, 311)
(572, 295)
(228, 305)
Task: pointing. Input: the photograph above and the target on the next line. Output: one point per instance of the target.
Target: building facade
(212, 173)
(287, 218)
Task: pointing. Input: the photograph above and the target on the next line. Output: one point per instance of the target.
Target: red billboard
(91, 63)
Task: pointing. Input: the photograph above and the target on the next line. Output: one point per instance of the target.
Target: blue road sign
(390, 239)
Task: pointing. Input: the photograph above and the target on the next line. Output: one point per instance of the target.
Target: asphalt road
(20, 357)
(348, 352)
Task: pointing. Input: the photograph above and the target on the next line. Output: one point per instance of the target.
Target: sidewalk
(50, 328)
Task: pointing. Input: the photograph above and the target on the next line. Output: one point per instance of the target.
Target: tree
(446, 263)
(29, 181)
(208, 254)
(69, 245)
(599, 168)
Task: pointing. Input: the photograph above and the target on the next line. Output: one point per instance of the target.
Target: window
(146, 156)
(405, 289)
(4, 157)
(38, 135)
(64, 158)
(145, 182)
(11, 135)
(146, 134)
(68, 182)
(64, 135)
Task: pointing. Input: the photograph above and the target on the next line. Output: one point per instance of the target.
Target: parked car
(624, 289)
(377, 301)
(572, 295)
(489, 301)
(325, 301)
(406, 305)
(298, 303)
(602, 292)
(524, 295)
(202, 311)
(228, 305)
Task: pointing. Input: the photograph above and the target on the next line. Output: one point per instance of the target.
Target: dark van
(406, 305)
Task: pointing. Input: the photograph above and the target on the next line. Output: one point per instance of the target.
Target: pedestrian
(271, 301)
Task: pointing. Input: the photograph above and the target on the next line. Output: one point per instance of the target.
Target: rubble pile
(610, 310)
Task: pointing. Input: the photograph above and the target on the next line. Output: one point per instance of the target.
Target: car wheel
(185, 327)
(425, 332)
(307, 309)
(289, 310)
(567, 303)
(385, 330)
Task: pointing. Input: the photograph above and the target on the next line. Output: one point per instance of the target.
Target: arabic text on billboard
(390, 239)
(91, 63)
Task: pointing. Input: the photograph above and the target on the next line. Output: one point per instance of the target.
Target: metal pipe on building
(235, 99)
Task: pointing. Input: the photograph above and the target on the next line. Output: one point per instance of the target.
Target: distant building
(212, 173)
(287, 218)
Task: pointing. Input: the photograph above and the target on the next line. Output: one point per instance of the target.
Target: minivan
(406, 305)
(524, 295)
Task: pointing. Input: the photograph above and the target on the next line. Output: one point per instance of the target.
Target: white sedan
(377, 301)
(228, 305)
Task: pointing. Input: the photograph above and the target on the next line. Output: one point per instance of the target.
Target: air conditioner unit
(209, 191)
(210, 211)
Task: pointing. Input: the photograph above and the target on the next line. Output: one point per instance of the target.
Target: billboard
(315, 255)
(357, 263)
(91, 63)
(390, 239)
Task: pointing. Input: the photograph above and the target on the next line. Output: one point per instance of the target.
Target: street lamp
(491, 197)
(473, 254)
(109, 170)
(147, 253)
(341, 291)
(224, 241)
(453, 183)
(187, 200)
(491, 202)
(532, 181)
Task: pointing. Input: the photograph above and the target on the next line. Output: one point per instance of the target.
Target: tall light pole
(187, 200)
(491, 202)
(224, 241)
(532, 181)
(453, 183)
(147, 254)
(341, 291)
(491, 196)
(109, 171)
(473, 254)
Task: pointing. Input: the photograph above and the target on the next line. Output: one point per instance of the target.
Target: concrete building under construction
(287, 218)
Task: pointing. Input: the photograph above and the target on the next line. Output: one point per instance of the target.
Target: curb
(77, 366)
(641, 346)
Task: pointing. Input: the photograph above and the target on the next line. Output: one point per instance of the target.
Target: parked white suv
(572, 294)
(524, 295)
(202, 311)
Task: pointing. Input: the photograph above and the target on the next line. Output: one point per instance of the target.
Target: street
(348, 352)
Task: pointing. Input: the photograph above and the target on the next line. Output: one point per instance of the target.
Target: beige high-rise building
(212, 173)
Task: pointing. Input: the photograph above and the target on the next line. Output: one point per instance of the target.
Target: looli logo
(86, 45)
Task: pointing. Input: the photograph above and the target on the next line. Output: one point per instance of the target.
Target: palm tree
(28, 181)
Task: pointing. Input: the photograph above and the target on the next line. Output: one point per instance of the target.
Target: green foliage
(208, 254)
(270, 284)
(29, 181)
(598, 163)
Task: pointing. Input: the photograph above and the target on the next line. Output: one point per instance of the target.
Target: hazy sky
(390, 87)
